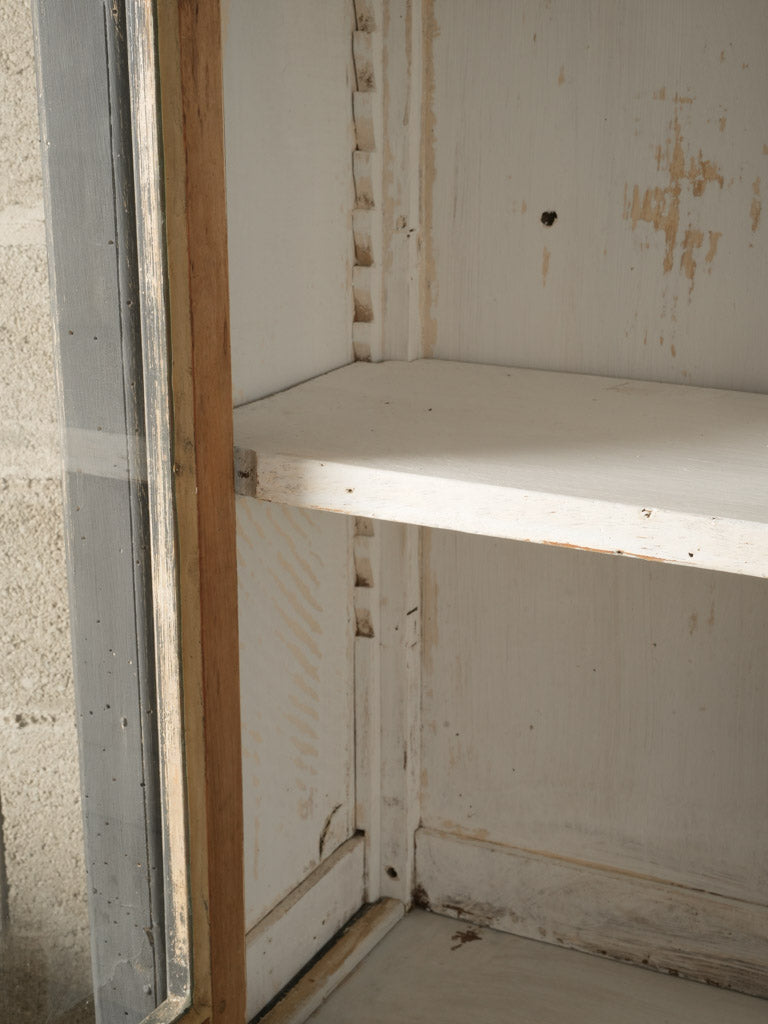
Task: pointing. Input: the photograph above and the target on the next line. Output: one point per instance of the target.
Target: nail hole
(548, 218)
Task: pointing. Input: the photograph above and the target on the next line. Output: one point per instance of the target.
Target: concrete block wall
(44, 943)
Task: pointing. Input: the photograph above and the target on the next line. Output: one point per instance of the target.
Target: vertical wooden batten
(189, 50)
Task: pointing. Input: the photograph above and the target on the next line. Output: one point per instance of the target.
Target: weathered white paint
(656, 471)
(296, 635)
(288, 80)
(598, 709)
(644, 127)
(430, 968)
(583, 906)
(288, 937)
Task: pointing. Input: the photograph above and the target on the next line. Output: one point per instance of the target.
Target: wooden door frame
(132, 129)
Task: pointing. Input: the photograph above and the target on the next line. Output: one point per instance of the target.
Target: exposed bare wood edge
(175, 1010)
(595, 909)
(314, 987)
(190, 62)
(284, 941)
(162, 519)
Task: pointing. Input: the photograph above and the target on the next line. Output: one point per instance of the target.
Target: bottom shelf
(430, 968)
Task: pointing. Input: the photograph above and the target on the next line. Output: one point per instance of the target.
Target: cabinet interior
(513, 255)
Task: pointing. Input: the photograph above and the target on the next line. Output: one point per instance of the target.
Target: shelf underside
(657, 471)
(431, 968)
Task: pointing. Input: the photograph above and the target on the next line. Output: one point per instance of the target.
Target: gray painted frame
(103, 184)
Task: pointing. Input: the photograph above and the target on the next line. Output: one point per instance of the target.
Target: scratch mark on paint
(326, 827)
(545, 265)
(756, 208)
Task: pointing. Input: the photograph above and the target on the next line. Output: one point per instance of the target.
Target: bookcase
(498, 318)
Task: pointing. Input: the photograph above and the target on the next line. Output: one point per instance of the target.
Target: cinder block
(44, 856)
(34, 617)
(27, 382)
(20, 177)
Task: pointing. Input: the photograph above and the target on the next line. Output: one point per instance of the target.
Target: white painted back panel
(598, 709)
(644, 126)
(572, 704)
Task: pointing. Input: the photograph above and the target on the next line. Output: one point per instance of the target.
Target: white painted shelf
(657, 471)
(431, 968)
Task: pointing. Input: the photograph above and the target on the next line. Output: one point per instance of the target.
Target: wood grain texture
(654, 471)
(297, 701)
(431, 968)
(190, 62)
(642, 921)
(643, 127)
(598, 709)
(288, 83)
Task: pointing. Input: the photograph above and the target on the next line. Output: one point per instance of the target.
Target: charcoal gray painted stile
(86, 139)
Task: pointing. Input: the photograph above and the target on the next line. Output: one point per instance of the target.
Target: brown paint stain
(714, 238)
(428, 279)
(660, 206)
(757, 207)
(460, 938)
(561, 76)
(673, 350)
(523, 207)
(693, 240)
(661, 340)
(660, 94)
(721, 123)
(722, 56)
(545, 266)
(765, 148)
(693, 623)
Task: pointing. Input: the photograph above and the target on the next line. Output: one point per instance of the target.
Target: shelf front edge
(653, 534)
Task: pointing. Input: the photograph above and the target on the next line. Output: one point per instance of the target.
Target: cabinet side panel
(596, 709)
(296, 638)
(592, 187)
(289, 141)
